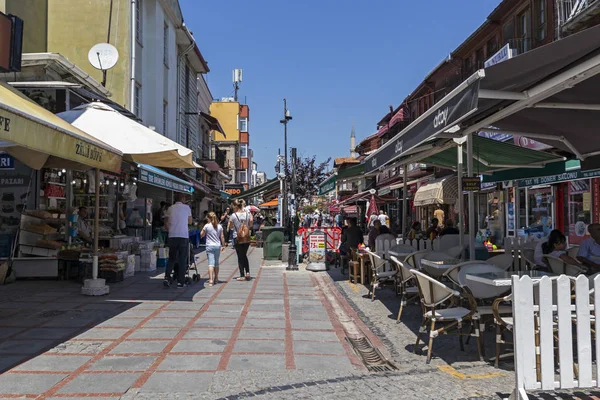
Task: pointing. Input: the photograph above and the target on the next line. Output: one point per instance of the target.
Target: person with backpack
(239, 223)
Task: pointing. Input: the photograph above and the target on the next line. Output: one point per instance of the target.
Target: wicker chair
(405, 278)
(379, 275)
(558, 266)
(504, 261)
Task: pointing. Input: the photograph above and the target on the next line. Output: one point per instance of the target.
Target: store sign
(316, 247)
(499, 137)
(234, 190)
(596, 197)
(11, 43)
(471, 184)
(503, 54)
(567, 176)
(6, 161)
(14, 180)
(151, 178)
(384, 191)
(327, 186)
(531, 144)
(427, 126)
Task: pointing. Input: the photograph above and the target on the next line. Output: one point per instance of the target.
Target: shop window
(523, 33)
(540, 211)
(580, 210)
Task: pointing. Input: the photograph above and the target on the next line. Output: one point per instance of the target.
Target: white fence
(553, 334)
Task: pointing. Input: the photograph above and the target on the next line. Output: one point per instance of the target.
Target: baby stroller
(189, 277)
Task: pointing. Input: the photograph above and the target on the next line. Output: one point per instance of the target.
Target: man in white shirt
(84, 230)
(178, 217)
(383, 218)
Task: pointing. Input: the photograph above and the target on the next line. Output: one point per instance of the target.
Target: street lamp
(285, 220)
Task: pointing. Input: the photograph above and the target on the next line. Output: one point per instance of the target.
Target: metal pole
(461, 198)
(471, 198)
(284, 214)
(96, 224)
(293, 251)
(405, 203)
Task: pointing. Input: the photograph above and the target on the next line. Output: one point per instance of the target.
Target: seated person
(415, 231)
(556, 246)
(589, 251)
(352, 236)
(84, 229)
(434, 230)
(449, 229)
(378, 229)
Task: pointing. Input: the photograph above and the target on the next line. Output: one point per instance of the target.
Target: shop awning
(366, 196)
(210, 165)
(328, 185)
(269, 185)
(159, 178)
(555, 168)
(38, 138)
(196, 184)
(137, 143)
(538, 94)
(270, 204)
(224, 195)
(213, 123)
(439, 191)
(355, 170)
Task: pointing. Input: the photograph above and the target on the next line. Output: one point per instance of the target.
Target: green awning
(491, 155)
(555, 168)
(349, 172)
(328, 185)
(269, 185)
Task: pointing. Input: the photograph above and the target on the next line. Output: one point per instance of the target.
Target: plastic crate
(162, 262)
(112, 276)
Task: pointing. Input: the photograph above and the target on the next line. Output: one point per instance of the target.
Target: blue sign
(500, 137)
(166, 183)
(503, 54)
(6, 161)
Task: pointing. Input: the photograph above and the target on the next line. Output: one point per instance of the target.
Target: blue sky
(336, 61)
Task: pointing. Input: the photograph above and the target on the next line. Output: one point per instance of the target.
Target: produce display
(54, 191)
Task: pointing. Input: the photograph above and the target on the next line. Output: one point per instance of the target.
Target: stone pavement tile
(315, 336)
(239, 302)
(103, 333)
(154, 333)
(332, 363)
(119, 322)
(177, 313)
(312, 325)
(6, 332)
(262, 334)
(22, 322)
(313, 315)
(167, 322)
(134, 347)
(101, 383)
(259, 346)
(264, 323)
(266, 307)
(54, 363)
(267, 301)
(266, 314)
(79, 347)
(226, 307)
(216, 322)
(24, 346)
(137, 313)
(81, 398)
(177, 382)
(48, 333)
(256, 362)
(204, 333)
(318, 347)
(200, 346)
(222, 314)
(124, 363)
(189, 363)
(146, 305)
(28, 383)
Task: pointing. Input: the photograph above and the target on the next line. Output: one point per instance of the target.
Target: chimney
(352, 142)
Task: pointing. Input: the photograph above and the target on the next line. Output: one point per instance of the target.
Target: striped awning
(439, 191)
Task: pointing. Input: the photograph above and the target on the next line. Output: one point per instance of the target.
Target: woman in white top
(236, 220)
(215, 244)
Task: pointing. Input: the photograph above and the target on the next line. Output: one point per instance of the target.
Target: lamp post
(286, 118)
(293, 251)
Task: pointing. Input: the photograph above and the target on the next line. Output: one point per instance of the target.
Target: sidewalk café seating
(414, 259)
(379, 275)
(456, 251)
(573, 251)
(504, 261)
(433, 295)
(527, 254)
(504, 324)
(354, 266)
(435, 256)
(558, 266)
(402, 249)
(405, 277)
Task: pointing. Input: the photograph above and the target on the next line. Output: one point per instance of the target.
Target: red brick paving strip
(53, 391)
(228, 350)
(290, 362)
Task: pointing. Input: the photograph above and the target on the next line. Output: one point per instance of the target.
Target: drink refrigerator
(139, 218)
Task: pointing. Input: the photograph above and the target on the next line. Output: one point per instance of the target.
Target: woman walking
(240, 219)
(215, 244)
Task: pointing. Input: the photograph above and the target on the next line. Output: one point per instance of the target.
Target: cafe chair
(435, 256)
(407, 283)
(558, 266)
(457, 252)
(355, 273)
(573, 251)
(402, 248)
(434, 295)
(379, 275)
(504, 324)
(504, 261)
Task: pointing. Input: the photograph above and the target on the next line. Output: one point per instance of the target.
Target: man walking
(179, 216)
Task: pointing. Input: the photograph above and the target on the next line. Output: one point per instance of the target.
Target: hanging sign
(471, 184)
(503, 54)
(151, 178)
(6, 161)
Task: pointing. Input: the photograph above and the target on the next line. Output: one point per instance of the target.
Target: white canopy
(137, 142)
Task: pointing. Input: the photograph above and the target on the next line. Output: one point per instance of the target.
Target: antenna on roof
(237, 79)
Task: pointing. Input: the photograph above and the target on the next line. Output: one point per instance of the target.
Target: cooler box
(272, 242)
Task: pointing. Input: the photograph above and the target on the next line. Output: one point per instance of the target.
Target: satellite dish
(103, 56)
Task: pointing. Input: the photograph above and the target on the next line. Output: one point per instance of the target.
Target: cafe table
(365, 262)
(436, 268)
(504, 278)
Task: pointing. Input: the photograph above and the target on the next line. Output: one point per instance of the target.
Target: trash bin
(272, 242)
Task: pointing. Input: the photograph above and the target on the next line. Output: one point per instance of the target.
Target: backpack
(243, 233)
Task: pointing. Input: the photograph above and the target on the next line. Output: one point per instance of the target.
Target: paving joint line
(290, 362)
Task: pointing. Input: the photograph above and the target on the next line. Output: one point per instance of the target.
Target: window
(540, 20)
(479, 58)
(523, 33)
(491, 48)
(580, 210)
(508, 32)
(244, 150)
(243, 124)
(243, 176)
(137, 107)
(165, 117)
(138, 20)
(166, 44)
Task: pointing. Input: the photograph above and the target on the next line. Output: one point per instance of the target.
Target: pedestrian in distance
(178, 218)
(239, 224)
(215, 244)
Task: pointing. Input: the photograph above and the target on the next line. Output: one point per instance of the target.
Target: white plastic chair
(378, 273)
(504, 261)
(558, 266)
(434, 294)
(405, 277)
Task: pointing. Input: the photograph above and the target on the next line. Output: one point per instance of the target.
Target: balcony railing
(521, 45)
(569, 10)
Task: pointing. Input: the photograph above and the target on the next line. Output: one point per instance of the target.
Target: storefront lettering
(12, 181)
(87, 151)
(5, 124)
(567, 176)
(441, 118)
(157, 180)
